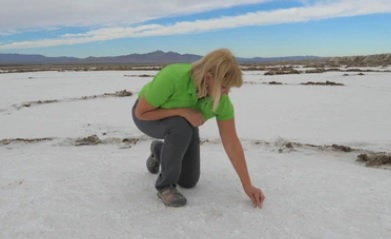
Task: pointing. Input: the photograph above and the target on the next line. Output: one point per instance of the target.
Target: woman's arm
(145, 111)
(235, 153)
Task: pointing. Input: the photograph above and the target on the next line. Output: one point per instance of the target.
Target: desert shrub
(375, 159)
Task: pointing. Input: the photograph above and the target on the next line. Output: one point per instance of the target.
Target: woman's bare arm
(235, 153)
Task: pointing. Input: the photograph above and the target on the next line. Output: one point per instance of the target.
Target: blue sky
(249, 28)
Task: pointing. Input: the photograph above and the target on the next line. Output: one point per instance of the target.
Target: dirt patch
(289, 146)
(122, 93)
(341, 148)
(13, 184)
(327, 83)
(264, 83)
(33, 103)
(370, 158)
(90, 140)
(130, 140)
(95, 140)
(375, 159)
(142, 75)
(274, 83)
(359, 74)
(23, 140)
(286, 148)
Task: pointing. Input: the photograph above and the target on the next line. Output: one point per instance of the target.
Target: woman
(173, 105)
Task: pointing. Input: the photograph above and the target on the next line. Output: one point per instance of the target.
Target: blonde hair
(222, 64)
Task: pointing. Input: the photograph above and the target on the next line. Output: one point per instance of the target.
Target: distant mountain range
(156, 57)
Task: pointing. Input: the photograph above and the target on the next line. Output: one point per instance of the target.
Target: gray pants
(180, 153)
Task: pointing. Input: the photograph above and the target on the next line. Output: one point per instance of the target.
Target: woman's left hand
(256, 195)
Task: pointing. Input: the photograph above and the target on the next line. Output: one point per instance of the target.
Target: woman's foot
(171, 197)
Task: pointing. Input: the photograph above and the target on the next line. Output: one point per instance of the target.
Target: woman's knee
(189, 182)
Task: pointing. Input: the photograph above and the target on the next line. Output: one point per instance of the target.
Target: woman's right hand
(195, 118)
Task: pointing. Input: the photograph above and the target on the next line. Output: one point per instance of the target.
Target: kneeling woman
(171, 107)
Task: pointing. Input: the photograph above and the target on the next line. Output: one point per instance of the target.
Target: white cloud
(314, 11)
(42, 14)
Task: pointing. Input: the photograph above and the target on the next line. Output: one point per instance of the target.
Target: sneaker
(171, 197)
(152, 161)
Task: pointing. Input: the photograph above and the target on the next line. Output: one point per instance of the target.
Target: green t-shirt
(173, 87)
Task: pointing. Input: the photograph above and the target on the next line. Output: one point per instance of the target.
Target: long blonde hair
(222, 64)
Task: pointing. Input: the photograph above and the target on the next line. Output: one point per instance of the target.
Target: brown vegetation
(375, 159)
(363, 61)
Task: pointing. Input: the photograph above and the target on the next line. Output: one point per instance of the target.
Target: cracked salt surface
(54, 189)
